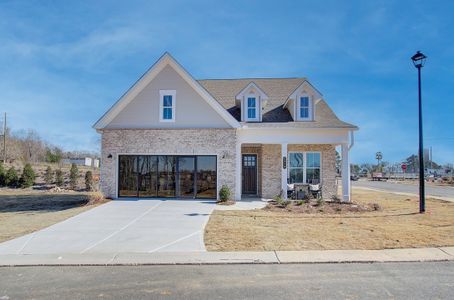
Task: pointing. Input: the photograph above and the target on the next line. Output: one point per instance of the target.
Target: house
(82, 161)
(171, 135)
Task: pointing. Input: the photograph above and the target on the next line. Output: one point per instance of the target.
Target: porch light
(109, 156)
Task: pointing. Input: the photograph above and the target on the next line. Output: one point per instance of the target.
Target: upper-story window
(251, 108)
(304, 107)
(167, 105)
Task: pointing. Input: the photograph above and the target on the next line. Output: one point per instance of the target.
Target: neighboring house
(170, 135)
(83, 161)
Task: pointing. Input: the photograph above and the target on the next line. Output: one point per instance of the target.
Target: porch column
(238, 172)
(284, 170)
(345, 173)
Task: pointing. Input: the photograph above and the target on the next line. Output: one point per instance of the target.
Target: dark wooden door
(249, 163)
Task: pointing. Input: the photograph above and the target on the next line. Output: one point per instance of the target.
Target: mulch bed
(226, 203)
(313, 207)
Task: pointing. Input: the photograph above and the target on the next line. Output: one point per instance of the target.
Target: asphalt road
(438, 191)
(309, 281)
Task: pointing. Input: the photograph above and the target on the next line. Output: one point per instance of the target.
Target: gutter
(352, 140)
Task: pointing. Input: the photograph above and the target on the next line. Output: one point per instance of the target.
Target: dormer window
(167, 100)
(251, 101)
(251, 109)
(304, 107)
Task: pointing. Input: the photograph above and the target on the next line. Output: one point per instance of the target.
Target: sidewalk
(196, 258)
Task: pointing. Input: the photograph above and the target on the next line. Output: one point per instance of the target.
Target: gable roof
(278, 91)
(150, 74)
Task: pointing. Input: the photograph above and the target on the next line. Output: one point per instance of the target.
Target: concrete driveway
(122, 226)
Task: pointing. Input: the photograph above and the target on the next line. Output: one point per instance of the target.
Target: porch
(264, 166)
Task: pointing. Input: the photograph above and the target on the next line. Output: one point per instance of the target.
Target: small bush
(320, 202)
(335, 199)
(59, 181)
(300, 202)
(73, 176)
(48, 175)
(286, 203)
(89, 181)
(2, 175)
(278, 199)
(11, 178)
(28, 176)
(96, 197)
(224, 194)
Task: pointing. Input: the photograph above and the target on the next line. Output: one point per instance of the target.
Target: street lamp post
(419, 60)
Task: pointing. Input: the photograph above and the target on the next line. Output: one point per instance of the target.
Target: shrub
(96, 197)
(59, 177)
(320, 202)
(89, 181)
(28, 176)
(286, 203)
(300, 202)
(11, 178)
(2, 175)
(73, 176)
(48, 175)
(224, 193)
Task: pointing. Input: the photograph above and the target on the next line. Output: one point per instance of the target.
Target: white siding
(192, 111)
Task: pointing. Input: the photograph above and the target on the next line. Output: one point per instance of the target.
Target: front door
(249, 185)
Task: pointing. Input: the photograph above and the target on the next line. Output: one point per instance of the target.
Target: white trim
(163, 93)
(117, 166)
(165, 60)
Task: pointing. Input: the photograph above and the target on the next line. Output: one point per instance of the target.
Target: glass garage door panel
(166, 176)
(148, 167)
(127, 176)
(206, 177)
(186, 169)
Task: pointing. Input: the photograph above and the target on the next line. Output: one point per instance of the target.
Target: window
(251, 108)
(167, 106)
(304, 107)
(304, 167)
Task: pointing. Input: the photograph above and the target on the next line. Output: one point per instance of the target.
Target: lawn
(397, 225)
(26, 211)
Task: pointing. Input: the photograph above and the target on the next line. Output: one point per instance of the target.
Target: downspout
(352, 140)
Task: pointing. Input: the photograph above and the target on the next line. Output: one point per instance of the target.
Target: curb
(222, 258)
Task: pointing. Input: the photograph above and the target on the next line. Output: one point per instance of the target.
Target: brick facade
(220, 142)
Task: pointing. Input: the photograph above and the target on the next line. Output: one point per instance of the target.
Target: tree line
(10, 177)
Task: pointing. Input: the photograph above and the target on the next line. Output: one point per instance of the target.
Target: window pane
(304, 112)
(168, 100)
(251, 113)
(166, 176)
(313, 176)
(304, 102)
(313, 160)
(206, 177)
(251, 102)
(127, 176)
(296, 159)
(167, 113)
(296, 176)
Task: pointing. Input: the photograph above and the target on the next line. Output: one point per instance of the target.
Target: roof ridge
(251, 78)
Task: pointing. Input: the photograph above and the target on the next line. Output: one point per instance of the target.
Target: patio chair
(291, 191)
(315, 190)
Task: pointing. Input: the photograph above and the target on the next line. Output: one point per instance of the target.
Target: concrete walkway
(269, 257)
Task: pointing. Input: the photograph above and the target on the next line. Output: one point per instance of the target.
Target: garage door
(166, 176)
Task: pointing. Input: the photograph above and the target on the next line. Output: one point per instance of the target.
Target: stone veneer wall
(220, 142)
(271, 170)
(328, 170)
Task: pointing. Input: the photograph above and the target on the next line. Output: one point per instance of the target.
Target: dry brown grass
(26, 211)
(397, 225)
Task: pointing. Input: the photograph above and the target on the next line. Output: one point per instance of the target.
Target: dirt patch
(312, 207)
(226, 203)
(26, 211)
(397, 225)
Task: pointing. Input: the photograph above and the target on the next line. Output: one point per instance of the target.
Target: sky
(64, 63)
